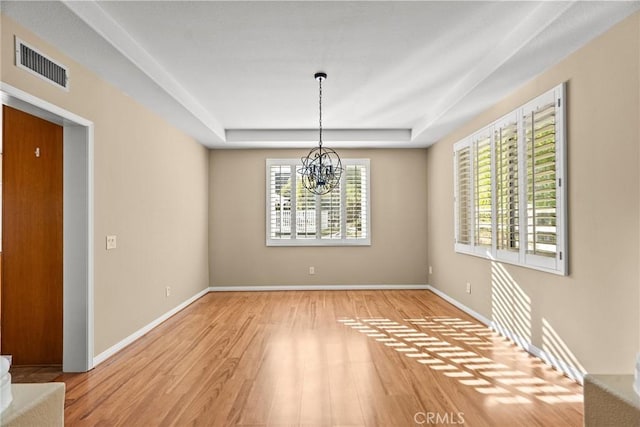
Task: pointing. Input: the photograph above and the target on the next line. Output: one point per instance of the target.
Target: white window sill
(319, 242)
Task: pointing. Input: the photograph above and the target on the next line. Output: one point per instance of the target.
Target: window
(340, 217)
(510, 188)
(482, 190)
(463, 195)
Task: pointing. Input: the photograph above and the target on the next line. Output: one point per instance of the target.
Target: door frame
(78, 223)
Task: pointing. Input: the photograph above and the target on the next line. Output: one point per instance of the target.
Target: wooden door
(31, 313)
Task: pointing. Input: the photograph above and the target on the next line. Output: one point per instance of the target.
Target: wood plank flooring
(358, 358)
(35, 374)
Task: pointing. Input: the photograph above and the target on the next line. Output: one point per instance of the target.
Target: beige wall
(594, 311)
(151, 190)
(239, 256)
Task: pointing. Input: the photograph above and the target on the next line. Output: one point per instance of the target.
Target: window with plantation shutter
(355, 177)
(296, 217)
(482, 190)
(473, 188)
(279, 201)
(541, 178)
(510, 190)
(542, 150)
(462, 165)
(506, 177)
(306, 211)
(331, 214)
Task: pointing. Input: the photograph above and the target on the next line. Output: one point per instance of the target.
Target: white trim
(522, 33)
(104, 24)
(459, 305)
(308, 138)
(266, 288)
(561, 172)
(75, 359)
(14, 92)
(319, 242)
(91, 240)
(145, 329)
(77, 239)
(560, 365)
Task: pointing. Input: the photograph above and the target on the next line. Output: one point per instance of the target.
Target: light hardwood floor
(370, 358)
(35, 374)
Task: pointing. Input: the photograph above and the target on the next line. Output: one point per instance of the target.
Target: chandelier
(321, 168)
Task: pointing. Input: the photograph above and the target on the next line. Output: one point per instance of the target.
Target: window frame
(295, 164)
(557, 264)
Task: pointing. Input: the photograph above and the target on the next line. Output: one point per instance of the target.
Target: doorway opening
(77, 258)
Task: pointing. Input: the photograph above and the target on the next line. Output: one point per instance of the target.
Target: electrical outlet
(430, 270)
(312, 271)
(468, 287)
(111, 242)
(167, 291)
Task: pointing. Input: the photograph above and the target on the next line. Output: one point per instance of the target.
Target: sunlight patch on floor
(429, 341)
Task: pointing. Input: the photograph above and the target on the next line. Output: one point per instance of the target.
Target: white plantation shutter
(356, 201)
(462, 167)
(541, 181)
(331, 215)
(482, 190)
(544, 192)
(510, 200)
(280, 201)
(340, 217)
(507, 186)
(305, 211)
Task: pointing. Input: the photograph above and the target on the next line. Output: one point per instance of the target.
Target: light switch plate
(111, 242)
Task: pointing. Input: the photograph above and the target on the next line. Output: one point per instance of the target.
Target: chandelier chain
(320, 109)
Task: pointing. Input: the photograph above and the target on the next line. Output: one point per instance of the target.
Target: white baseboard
(560, 365)
(145, 329)
(314, 288)
(461, 306)
(140, 332)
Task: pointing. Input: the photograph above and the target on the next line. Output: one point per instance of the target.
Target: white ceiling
(240, 74)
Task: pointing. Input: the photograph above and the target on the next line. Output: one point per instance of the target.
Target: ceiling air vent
(30, 59)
